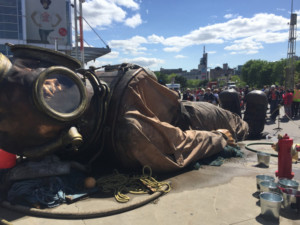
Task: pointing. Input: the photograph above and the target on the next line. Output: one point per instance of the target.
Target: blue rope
(47, 192)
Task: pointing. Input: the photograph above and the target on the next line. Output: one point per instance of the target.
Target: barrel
(229, 100)
(255, 113)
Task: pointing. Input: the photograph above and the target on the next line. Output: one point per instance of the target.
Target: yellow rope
(4, 222)
(121, 184)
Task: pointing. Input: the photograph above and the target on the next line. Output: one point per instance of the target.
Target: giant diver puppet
(50, 105)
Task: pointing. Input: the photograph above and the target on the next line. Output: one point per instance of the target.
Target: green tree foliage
(166, 79)
(193, 83)
(162, 78)
(203, 83)
(238, 81)
(181, 80)
(297, 72)
(258, 73)
(251, 72)
(171, 77)
(278, 71)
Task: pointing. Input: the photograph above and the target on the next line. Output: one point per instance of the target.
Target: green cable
(259, 143)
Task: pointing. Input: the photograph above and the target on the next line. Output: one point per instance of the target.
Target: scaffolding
(86, 53)
(290, 72)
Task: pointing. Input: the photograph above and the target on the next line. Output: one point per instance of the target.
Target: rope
(43, 192)
(291, 120)
(278, 108)
(4, 222)
(121, 184)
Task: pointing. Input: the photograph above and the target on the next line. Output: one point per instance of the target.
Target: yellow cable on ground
(121, 184)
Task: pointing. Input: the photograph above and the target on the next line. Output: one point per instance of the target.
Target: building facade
(221, 73)
(202, 67)
(202, 73)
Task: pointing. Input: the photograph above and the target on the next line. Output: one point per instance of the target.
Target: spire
(204, 49)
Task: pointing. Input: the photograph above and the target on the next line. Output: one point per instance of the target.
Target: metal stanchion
(278, 118)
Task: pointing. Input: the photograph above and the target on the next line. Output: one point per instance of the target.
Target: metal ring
(41, 104)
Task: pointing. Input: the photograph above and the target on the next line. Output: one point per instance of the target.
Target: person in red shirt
(287, 103)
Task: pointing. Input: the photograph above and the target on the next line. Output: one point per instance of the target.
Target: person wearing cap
(200, 95)
(274, 99)
(208, 96)
(188, 96)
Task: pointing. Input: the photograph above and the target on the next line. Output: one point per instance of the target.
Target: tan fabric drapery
(149, 127)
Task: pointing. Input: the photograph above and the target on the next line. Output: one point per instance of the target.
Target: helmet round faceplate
(60, 93)
(5, 66)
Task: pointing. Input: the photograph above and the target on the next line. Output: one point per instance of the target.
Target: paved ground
(210, 195)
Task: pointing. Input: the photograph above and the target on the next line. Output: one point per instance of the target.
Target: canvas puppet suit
(122, 110)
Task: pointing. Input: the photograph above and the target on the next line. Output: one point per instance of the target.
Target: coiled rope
(121, 184)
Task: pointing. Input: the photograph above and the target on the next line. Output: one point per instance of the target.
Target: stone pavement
(210, 195)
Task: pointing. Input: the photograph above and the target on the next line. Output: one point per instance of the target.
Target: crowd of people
(207, 95)
(277, 96)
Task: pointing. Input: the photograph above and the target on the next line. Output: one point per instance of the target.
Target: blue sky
(172, 33)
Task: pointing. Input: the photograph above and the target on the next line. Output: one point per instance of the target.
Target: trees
(162, 78)
(165, 79)
(255, 73)
(258, 73)
(181, 80)
(251, 72)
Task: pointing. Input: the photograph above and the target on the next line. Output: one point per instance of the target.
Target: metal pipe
(81, 33)
(76, 29)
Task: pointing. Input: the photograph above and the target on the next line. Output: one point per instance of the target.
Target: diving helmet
(57, 90)
(47, 85)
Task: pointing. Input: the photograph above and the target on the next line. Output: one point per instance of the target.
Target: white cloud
(111, 55)
(180, 56)
(130, 46)
(127, 3)
(231, 16)
(172, 49)
(134, 21)
(155, 39)
(145, 62)
(228, 16)
(211, 52)
(261, 28)
(241, 34)
(244, 46)
(104, 13)
(98, 63)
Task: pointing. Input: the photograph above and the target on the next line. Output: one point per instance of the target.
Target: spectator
(287, 103)
(200, 95)
(216, 94)
(296, 101)
(274, 100)
(246, 90)
(208, 96)
(187, 95)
